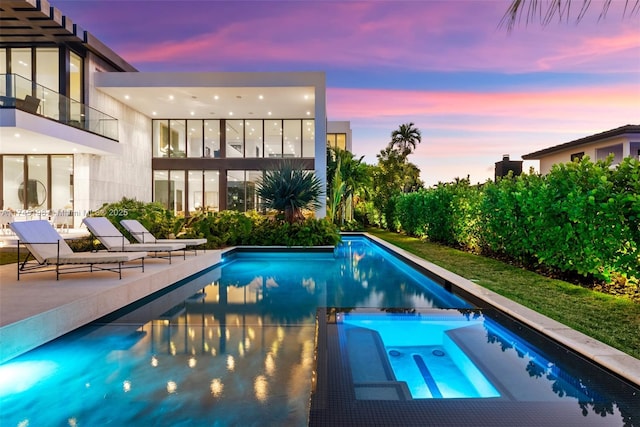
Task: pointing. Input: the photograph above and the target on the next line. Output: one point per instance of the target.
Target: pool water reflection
(233, 345)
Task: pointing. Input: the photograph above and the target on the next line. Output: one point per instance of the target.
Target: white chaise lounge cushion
(114, 240)
(43, 241)
(142, 235)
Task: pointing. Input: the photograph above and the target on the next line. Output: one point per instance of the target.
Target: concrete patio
(38, 309)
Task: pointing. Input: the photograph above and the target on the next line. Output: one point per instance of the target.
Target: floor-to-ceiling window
(48, 76)
(218, 183)
(37, 182)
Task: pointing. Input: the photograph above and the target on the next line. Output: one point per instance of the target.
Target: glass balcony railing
(24, 94)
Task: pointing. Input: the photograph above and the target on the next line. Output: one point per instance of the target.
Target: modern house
(621, 142)
(79, 126)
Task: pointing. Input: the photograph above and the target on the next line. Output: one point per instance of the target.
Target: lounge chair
(142, 235)
(49, 249)
(114, 241)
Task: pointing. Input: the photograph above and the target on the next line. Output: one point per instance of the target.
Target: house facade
(620, 142)
(80, 127)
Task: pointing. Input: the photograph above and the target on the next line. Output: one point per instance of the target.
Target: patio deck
(38, 309)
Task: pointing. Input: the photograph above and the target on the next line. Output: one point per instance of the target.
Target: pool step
(371, 371)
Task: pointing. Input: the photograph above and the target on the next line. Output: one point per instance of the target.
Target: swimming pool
(239, 344)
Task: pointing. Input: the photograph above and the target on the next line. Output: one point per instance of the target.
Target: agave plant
(290, 190)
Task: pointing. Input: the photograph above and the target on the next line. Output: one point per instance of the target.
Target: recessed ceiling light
(308, 113)
(231, 113)
(306, 97)
(269, 113)
(126, 97)
(17, 135)
(192, 113)
(154, 113)
(260, 97)
(216, 97)
(171, 97)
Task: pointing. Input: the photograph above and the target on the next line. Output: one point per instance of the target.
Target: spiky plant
(290, 190)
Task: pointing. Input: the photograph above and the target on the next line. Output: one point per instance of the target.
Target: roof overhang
(296, 95)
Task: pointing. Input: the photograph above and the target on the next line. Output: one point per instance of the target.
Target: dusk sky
(474, 91)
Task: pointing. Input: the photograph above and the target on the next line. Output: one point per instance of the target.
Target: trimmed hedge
(582, 217)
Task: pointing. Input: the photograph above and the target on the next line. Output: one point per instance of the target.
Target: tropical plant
(348, 184)
(535, 9)
(290, 190)
(406, 138)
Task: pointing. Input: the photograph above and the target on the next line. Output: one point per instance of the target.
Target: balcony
(23, 94)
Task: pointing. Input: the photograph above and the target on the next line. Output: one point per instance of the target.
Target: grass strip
(607, 318)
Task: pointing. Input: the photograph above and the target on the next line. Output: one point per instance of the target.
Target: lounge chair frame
(26, 267)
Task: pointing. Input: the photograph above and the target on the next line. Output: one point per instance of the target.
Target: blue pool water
(238, 345)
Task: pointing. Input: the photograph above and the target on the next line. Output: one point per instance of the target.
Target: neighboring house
(621, 142)
(79, 126)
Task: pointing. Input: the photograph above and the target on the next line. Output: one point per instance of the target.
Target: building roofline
(622, 130)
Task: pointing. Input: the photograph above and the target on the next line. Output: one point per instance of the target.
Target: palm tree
(348, 179)
(290, 190)
(406, 138)
(561, 8)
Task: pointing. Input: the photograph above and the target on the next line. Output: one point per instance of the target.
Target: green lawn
(612, 320)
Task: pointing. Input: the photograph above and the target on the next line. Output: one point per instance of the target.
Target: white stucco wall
(102, 179)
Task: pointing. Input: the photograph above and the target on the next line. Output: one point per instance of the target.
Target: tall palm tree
(348, 179)
(535, 9)
(290, 190)
(406, 138)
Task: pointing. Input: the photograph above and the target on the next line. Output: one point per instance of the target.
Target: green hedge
(582, 217)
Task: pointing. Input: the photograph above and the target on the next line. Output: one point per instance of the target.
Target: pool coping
(614, 360)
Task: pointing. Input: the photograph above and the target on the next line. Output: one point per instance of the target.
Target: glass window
(292, 138)
(331, 140)
(75, 77)
(212, 190)
(47, 68)
(12, 177)
(161, 187)
(61, 182)
(273, 138)
(177, 138)
(3, 62)
(176, 193)
(47, 76)
(253, 202)
(195, 191)
(253, 137)
(37, 184)
(235, 138)
(194, 138)
(160, 136)
(341, 141)
(308, 138)
(212, 138)
(235, 191)
(62, 190)
(616, 150)
(22, 66)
